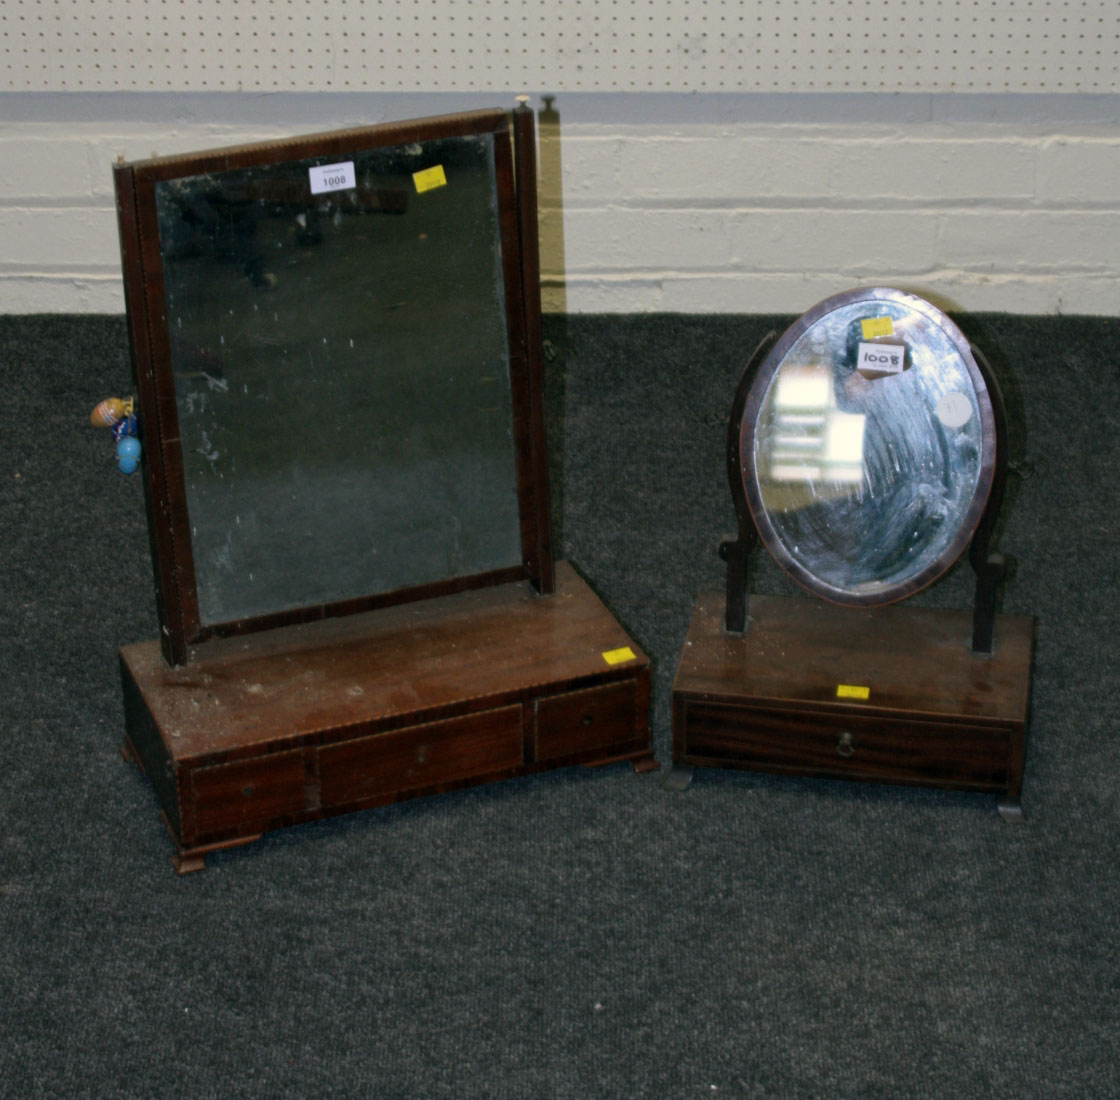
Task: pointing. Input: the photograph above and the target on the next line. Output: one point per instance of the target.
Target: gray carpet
(581, 933)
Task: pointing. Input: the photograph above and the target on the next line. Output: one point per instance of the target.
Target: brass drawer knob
(844, 746)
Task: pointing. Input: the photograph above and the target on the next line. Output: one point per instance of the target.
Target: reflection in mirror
(869, 447)
(341, 368)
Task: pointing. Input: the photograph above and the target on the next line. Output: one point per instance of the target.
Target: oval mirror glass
(867, 446)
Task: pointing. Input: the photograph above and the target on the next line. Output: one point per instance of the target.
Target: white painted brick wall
(662, 209)
(760, 217)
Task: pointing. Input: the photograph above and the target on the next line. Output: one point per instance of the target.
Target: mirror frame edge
(164, 484)
(992, 442)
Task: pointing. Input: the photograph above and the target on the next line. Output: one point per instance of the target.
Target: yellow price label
(876, 326)
(852, 691)
(429, 179)
(619, 656)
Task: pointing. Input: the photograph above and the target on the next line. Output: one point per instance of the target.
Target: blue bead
(128, 454)
(127, 426)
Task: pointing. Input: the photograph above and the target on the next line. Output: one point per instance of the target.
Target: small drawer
(586, 721)
(857, 746)
(381, 765)
(248, 794)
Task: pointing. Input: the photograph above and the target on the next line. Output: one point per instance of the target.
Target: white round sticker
(954, 410)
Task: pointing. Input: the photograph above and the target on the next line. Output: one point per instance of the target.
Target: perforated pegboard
(561, 45)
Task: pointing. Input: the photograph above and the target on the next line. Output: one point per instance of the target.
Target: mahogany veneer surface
(934, 714)
(271, 729)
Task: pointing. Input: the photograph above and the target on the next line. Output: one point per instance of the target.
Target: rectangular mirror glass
(341, 373)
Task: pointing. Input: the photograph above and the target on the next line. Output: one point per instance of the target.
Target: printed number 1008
(331, 177)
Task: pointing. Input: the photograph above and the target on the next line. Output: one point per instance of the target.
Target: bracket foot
(186, 863)
(1010, 811)
(677, 778)
(128, 753)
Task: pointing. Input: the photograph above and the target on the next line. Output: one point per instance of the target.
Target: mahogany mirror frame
(163, 468)
(760, 374)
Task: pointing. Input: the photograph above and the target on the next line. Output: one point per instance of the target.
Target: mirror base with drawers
(318, 719)
(877, 694)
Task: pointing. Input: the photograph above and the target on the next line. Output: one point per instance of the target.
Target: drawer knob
(844, 746)
(587, 719)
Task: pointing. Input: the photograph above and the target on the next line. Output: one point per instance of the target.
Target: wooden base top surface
(409, 659)
(911, 660)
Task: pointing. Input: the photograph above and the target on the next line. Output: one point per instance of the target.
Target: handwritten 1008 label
(331, 177)
(881, 358)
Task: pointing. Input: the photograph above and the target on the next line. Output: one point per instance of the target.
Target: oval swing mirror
(867, 446)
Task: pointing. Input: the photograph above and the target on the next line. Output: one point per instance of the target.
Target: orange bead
(108, 413)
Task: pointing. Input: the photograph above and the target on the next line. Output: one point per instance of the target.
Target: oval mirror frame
(916, 325)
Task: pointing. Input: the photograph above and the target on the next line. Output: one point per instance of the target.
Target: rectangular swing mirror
(337, 349)
(339, 406)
